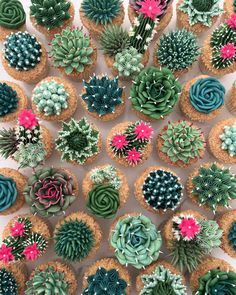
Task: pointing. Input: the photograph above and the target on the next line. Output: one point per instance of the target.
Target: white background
(132, 173)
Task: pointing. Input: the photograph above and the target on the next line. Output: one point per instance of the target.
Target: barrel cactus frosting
(155, 92)
(22, 51)
(207, 95)
(228, 140)
(162, 4)
(136, 241)
(8, 100)
(12, 14)
(232, 235)
(8, 284)
(8, 192)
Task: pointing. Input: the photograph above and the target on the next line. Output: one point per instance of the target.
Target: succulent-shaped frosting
(8, 284)
(106, 175)
(136, 241)
(8, 142)
(77, 141)
(232, 235)
(50, 13)
(162, 190)
(71, 50)
(74, 239)
(22, 51)
(12, 14)
(8, 192)
(177, 50)
(228, 140)
(207, 95)
(48, 281)
(49, 192)
(114, 39)
(216, 282)
(182, 141)
(102, 94)
(162, 281)
(155, 92)
(214, 186)
(50, 97)
(201, 11)
(234, 5)
(8, 100)
(162, 4)
(101, 12)
(105, 282)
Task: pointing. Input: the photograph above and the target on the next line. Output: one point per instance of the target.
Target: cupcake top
(228, 139)
(8, 192)
(12, 14)
(8, 100)
(8, 283)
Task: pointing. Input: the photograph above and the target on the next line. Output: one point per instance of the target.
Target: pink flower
(150, 8)
(18, 229)
(228, 51)
(232, 21)
(189, 228)
(28, 119)
(6, 254)
(134, 156)
(143, 131)
(31, 252)
(119, 141)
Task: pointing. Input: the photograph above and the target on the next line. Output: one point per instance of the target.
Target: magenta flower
(228, 51)
(143, 131)
(18, 229)
(31, 252)
(6, 254)
(119, 141)
(27, 119)
(133, 156)
(150, 8)
(189, 228)
(232, 21)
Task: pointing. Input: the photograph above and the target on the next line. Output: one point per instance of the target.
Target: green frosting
(136, 241)
(155, 92)
(8, 192)
(8, 100)
(217, 282)
(228, 140)
(163, 282)
(8, 284)
(106, 175)
(12, 14)
(71, 50)
(8, 142)
(234, 5)
(232, 235)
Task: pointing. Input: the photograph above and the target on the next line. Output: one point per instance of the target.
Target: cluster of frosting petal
(8, 192)
(12, 14)
(228, 139)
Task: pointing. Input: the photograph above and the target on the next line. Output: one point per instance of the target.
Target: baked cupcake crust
(231, 102)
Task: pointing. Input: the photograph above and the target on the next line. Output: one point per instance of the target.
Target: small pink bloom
(6, 254)
(31, 252)
(232, 21)
(28, 119)
(143, 131)
(134, 156)
(189, 228)
(119, 141)
(228, 51)
(150, 8)
(18, 229)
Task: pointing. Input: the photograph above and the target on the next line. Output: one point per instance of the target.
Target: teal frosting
(8, 192)
(232, 235)
(207, 95)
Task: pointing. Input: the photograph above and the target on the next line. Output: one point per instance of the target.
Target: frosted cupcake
(231, 102)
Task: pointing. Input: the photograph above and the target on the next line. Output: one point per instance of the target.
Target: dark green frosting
(232, 235)
(8, 284)
(8, 192)
(8, 100)
(12, 14)
(234, 5)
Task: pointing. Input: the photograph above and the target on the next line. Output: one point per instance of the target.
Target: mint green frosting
(8, 192)
(228, 138)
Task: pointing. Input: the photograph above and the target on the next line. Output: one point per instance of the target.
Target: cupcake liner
(4, 32)
(231, 102)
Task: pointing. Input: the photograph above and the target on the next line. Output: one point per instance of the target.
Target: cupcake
(231, 102)
(202, 98)
(106, 190)
(12, 101)
(227, 223)
(24, 238)
(106, 276)
(96, 15)
(12, 17)
(213, 276)
(54, 99)
(58, 277)
(75, 61)
(177, 51)
(12, 183)
(161, 277)
(198, 16)
(222, 141)
(135, 240)
(76, 237)
(78, 142)
(212, 186)
(229, 8)
(51, 191)
(180, 144)
(129, 144)
(103, 97)
(218, 56)
(189, 236)
(158, 190)
(24, 58)
(51, 17)
(154, 93)
(29, 144)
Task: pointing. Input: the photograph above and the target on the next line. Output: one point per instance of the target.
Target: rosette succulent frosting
(8, 284)
(155, 92)
(8, 192)
(232, 235)
(136, 241)
(8, 100)
(12, 14)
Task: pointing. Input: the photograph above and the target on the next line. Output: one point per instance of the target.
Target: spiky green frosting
(48, 281)
(155, 92)
(71, 50)
(8, 100)
(214, 186)
(22, 51)
(50, 13)
(77, 141)
(8, 142)
(178, 50)
(101, 12)
(232, 235)
(12, 14)
(8, 284)
(102, 94)
(228, 140)
(74, 240)
(162, 281)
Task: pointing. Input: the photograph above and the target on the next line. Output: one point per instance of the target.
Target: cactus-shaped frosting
(77, 141)
(228, 140)
(102, 94)
(48, 281)
(232, 235)
(8, 192)
(105, 282)
(101, 12)
(8, 142)
(8, 284)
(162, 190)
(51, 98)
(22, 51)
(8, 100)
(214, 186)
(234, 5)
(162, 4)
(71, 50)
(12, 14)
(177, 50)
(106, 175)
(50, 13)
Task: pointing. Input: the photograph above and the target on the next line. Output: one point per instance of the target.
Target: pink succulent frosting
(150, 8)
(133, 156)
(28, 119)
(18, 229)
(228, 51)
(6, 254)
(189, 228)
(232, 21)
(143, 131)
(31, 252)
(119, 141)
